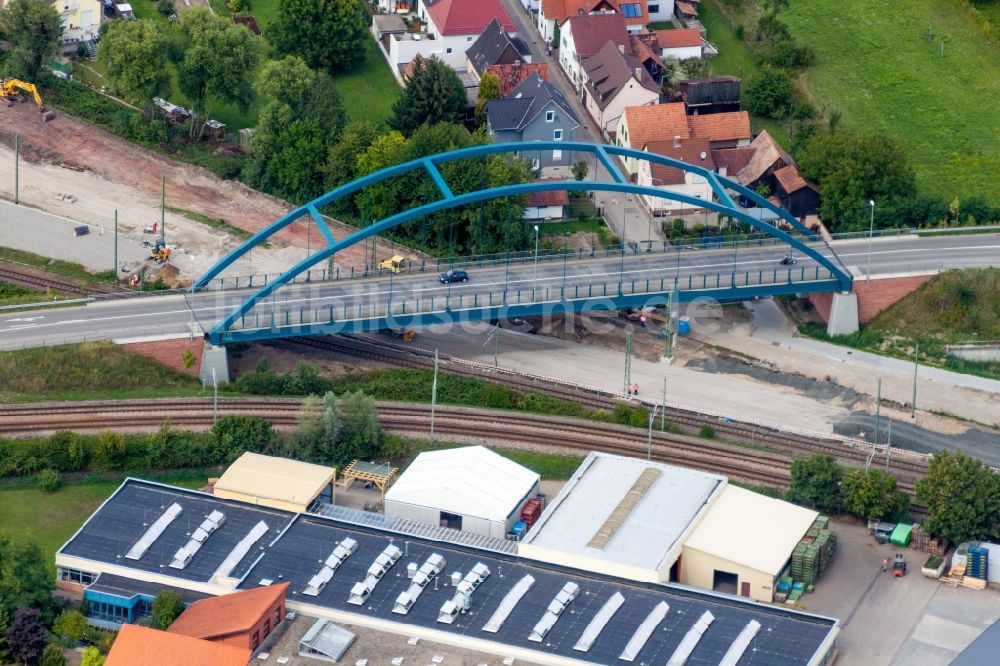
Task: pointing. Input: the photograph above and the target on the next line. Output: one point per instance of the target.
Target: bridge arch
(448, 200)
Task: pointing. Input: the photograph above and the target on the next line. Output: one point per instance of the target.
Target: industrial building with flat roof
(469, 488)
(433, 587)
(653, 522)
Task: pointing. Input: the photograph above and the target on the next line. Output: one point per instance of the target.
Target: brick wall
(873, 297)
(170, 352)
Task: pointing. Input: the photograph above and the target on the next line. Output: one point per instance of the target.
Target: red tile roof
(227, 614)
(721, 126)
(592, 31)
(689, 150)
(142, 646)
(560, 10)
(687, 8)
(679, 38)
(790, 179)
(468, 17)
(511, 76)
(641, 19)
(659, 122)
(733, 159)
(553, 198)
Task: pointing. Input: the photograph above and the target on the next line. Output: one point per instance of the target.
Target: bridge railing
(384, 306)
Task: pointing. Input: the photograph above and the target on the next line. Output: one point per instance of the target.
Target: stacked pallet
(813, 553)
(923, 542)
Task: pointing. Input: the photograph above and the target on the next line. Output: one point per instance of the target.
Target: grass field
(938, 96)
(50, 519)
(370, 90)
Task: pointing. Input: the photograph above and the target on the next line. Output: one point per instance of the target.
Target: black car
(454, 275)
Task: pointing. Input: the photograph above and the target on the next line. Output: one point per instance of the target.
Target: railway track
(906, 467)
(42, 280)
(453, 423)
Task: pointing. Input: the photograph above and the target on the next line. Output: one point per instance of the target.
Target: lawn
(370, 90)
(50, 519)
(938, 96)
(735, 59)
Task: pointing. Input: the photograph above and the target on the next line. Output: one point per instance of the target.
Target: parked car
(454, 275)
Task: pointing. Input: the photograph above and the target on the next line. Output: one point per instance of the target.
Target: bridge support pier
(843, 314)
(214, 358)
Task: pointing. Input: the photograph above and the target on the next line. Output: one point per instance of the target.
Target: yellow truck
(394, 264)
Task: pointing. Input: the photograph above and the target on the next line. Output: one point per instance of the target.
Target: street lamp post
(534, 279)
(871, 232)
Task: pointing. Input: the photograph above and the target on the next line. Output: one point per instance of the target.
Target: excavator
(9, 92)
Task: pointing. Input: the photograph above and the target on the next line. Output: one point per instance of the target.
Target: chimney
(638, 74)
(621, 49)
(677, 141)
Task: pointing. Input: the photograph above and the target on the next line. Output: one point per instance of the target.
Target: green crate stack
(823, 522)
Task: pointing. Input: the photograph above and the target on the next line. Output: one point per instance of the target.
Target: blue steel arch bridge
(304, 300)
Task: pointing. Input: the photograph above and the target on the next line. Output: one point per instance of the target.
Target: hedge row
(988, 29)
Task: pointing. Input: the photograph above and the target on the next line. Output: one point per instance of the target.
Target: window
(255, 642)
(654, 9)
(550, 116)
(557, 156)
(631, 10)
(267, 627)
(447, 50)
(557, 135)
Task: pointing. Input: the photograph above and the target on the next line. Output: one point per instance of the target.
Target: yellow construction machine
(10, 89)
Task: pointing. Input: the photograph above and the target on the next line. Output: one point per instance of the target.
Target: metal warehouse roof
(584, 618)
(275, 478)
(755, 530)
(650, 520)
(468, 481)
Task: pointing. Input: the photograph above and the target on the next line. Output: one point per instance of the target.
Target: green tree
(167, 605)
(70, 624)
(489, 88)
(852, 169)
(26, 636)
(52, 656)
(872, 493)
(135, 53)
(815, 482)
(92, 657)
(360, 434)
(433, 94)
(235, 434)
(48, 480)
(329, 35)
(962, 497)
(580, 170)
(769, 93)
(110, 450)
(4, 628)
(24, 580)
(32, 28)
(217, 66)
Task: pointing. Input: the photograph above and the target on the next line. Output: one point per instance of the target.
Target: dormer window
(550, 116)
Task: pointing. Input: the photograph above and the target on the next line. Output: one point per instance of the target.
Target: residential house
(242, 619)
(647, 50)
(768, 157)
(81, 21)
(583, 36)
(659, 10)
(671, 179)
(639, 125)
(546, 205)
(495, 47)
(396, 6)
(553, 13)
(451, 28)
(716, 94)
(722, 130)
(511, 76)
(634, 12)
(680, 44)
(615, 80)
(730, 161)
(797, 195)
(534, 111)
(140, 646)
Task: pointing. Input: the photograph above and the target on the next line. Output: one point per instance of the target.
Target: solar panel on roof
(740, 644)
(644, 631)
(601, 619)
(507, 604)
(240, 550)
(154, 532)
(690, 640)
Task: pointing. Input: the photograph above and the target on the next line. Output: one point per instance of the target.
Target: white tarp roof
(468, 481)
(654, 528)
(275, 478)
(754, 530)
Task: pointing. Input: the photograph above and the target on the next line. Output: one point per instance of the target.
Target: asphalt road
(161, 315)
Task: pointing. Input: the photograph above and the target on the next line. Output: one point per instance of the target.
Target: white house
(615, 80)
(660, 10)
(546, 205)
(583, 36)
(456, 24)
(681, 44)
(692, 151)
